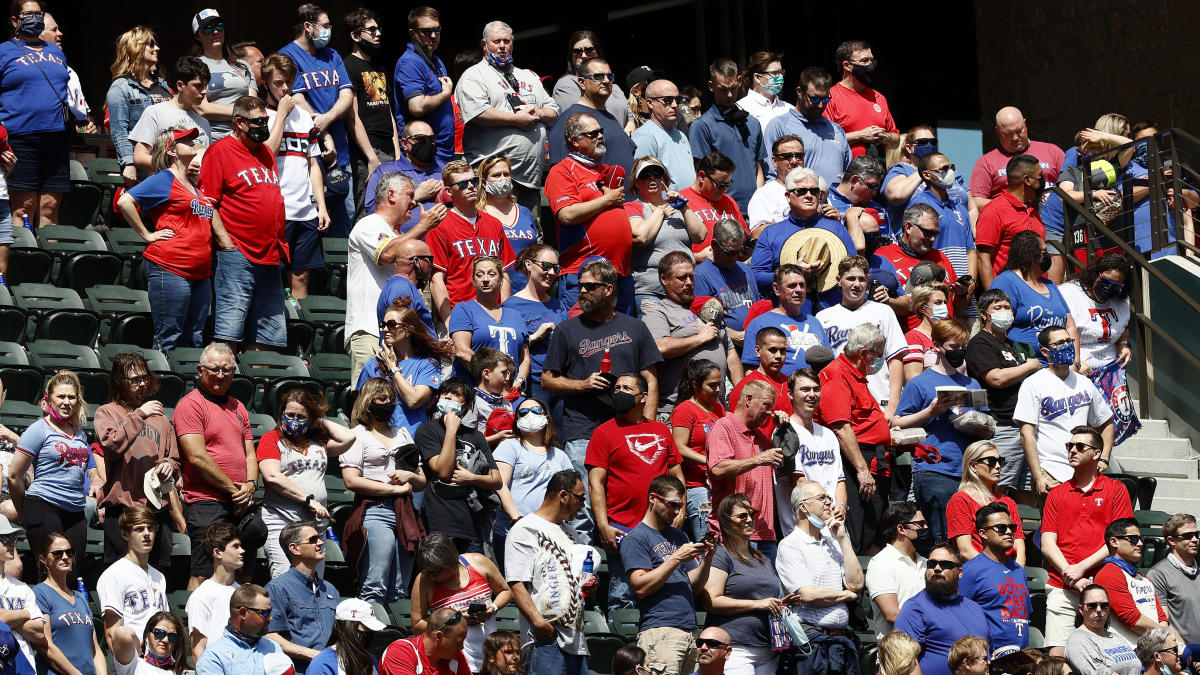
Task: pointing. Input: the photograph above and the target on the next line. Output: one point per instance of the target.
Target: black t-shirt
(576, 349)
(373, 89)
(448, 508)
(985, 353)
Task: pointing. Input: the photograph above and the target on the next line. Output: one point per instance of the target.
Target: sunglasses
(992, 462)
(550, 266)
(942, 564)
(1133, 539)
(531, 410)
(602, 77)
(160, 634)
(652, 172)
(675, 505)
(417, 138)
(919, 524)
(873, 187)
(10, 540)
(390, 326)
(929, 234)
(800, 192)
(213, 28)
(818, 100)
(64, 553)
(591, 286)
(593, 134)
(1093, 606)
(583, 50)
(925, 141)
(454, 618)
(264, 613)
(710, 643)
(466, 182)
(373, 30)
(153, 44)
(941, 169)
(789, 156)
(1080, 447)
(315, 539)
(752, 513)
(255, 121)
(1187, 536)
(668, 100)
(720, 185)
(435, 30)
(1002, 528)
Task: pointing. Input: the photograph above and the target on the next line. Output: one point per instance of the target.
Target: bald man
(712, 648)
(414, 269)
(660, 136)
(437, 650)
(988, 179)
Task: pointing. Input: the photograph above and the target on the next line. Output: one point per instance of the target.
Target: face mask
(863, 73)
(294, 427)
(1063, 355)
(623, 402)
(382, 412)
(1002, 320)
(875, 366)
(773, 85)
(423, 150)
(159, 661)
(370, 47)
(497, 60)
(31, 26)
(920, 151)
(499, 188)
(1046, 262)
(939, 312)
(531, 424)
(258, 134)
(445, 405)
(924, 535)
(1105, 289)
(946, 180)
(323, 38)
(52, 411)
(816, 522)
(1142, 155)
(956, 357)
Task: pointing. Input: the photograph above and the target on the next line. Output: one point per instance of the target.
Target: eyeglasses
(710, 643)
(1093, 606)
(771, 73)
(373, 30)
(863, 63)
(669, 100)
(1001, 528)
(579, 51)
(1062, 343)
(294, 417)
(593, 134)
(675, 505)
(218, 371)
(9, 540)
(800, 192)
(927, 141)
(427, 32)
(1187, 536)
(590, 286)
(466, 182)
(789, 156)
(160, 634)
(652, 172)
(256, 121)
(315, 539)
(138, 380)
(824, 499)
(602, 77)
(213, 28)
(390, 326)
(992, 462)
(929, 234)
(752, 513)
(578, 495)
(63, 553)
(943, 564)
(264, 613)
(818, 100)
(153, 44)
(719, 184)
(920, 524)
(1133, 539)
(38, 14)
(531, 410)
(1080, 447)
(417, 138)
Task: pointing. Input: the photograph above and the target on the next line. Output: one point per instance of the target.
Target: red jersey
(174, 207)
(407, 656)
(698, 422)
(633, 454)
(960, 518)
(607, 234)
(845, 398)
(904, 263)
(783, 398)
(712, 213)
(855, 110)
(999, 220)
(456, 241)
(1078, 517)
(244, 187)
(989, 178)
(225, 429)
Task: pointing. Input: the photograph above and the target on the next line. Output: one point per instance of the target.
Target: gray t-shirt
(567, 92)
(672, 236)
(539, 554)
(226, 84)
(753, 581)
(166, 115)
(666, 318)
(1179, 595)
(1090, 654)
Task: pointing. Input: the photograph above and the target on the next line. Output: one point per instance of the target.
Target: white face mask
(1003, 319)
(939, 312)
(946, 180)
(531, 423)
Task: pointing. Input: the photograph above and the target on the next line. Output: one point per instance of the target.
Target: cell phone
(678, 202)
(476, 608)
(710, 537)
(872, 287)
(965, 280)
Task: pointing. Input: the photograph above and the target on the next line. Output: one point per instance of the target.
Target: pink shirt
(225, 429)
(990, 176)
(731, 439)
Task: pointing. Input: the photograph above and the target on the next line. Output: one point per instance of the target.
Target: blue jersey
(1002, 590)
(838, 201)
(415, 76)
(1032, 311)
(941, 434)
(28, 103)
(321, 77)
(802, 332)
(402, 165)
(417, 371)
(735, 288)
(521, 235)
(71, 627)
(534, 314)
(507, 334)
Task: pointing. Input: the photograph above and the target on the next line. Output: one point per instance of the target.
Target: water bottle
(81, 588)
(330, 536)
(26, 223)
(606, 363)
(589, 574)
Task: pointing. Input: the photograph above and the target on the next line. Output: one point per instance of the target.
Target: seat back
(81, 206)
(265, 364)
(79, 326)
(116, 299)
(69, 238)
(28, 264)
(154, 358)
(18, 415)
(22, 383)
(13, 354)
(52, 355)
(36, 297)
(85, 269)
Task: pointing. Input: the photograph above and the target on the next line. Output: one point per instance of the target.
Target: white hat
(7, 527)
(277, 663)
(156, 489)
(203, 18)
(353, 609)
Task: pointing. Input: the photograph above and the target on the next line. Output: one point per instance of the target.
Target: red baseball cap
(183, 135)
(499, 420)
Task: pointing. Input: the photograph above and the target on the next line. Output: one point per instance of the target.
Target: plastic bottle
(589, 574)
(606, 363)
(26, 223)
(79, 586)
(329, 534)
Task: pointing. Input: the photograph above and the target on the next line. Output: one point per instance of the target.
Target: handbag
(68, 115)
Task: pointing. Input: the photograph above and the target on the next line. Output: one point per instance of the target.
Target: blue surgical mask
(920, 151)
(877, 365)
(291, 427)
(1062, 355)
(497, 60)
(940, 312)
(323, 38)
(773, 85)
(445, 405)
(815, 521)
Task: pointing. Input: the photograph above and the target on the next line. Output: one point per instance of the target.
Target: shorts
(203, 514)
(1060, 615)
(669, 650)
(43, 162)
(6, 224)
(304, 240)
(248, 294)
(1014, 474)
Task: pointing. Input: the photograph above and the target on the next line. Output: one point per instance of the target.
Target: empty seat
(85, 269)
(332, 368)
(81, 206)
(154, 358)
(45, 297)
(265, 364)
(28, 264)
(23, 237)
(13, 354)
(18, 415)
(52, 355)
(66, 238)
(115, 299)
(22, 383)
(13, 323)
(323, 309)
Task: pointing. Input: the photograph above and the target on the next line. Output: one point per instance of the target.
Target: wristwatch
(309, 499)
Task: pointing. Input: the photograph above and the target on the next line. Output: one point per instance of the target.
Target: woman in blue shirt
(134, 88)
(541, 312)
(66, 611)
(57, 447)
(346, 652)
(1036, 301)
(484, 322)
(497, 200)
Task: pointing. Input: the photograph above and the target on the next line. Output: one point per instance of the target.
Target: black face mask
(863, 73)
(423, 150)
(1046, 262)
(956, 357)
(623, 402)
(370, 48)
(1105, 289)
(382, 412)
(258, 134)
(31, 26)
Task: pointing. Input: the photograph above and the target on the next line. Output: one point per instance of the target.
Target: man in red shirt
(239, 175)
(860, 110)
(1073, 522)
(848, 408)
(707, 198)
(623, 456)
(437, 651)
(920, 228)
(1015, 210)
(588, 200)
(465, 234)
(771, 348)
(988, 178)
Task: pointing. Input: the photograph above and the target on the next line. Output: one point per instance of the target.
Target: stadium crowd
(779, 377)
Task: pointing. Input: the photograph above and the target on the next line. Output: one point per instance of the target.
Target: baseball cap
(276, 663)
(203, 18)
(642, 74)
(183, 135)
(756, 310)
(499, 420)
(7, 527)
(924, 273)
(646, 162)
(818, 356)
(156, 489)
(353, 609)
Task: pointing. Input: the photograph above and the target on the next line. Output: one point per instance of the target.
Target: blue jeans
(932, 491)
(699, 505)
(179, 307)
(767, 548)
(385, 566)
(339, 204)
(546, 657)
(583, 522)
(248, 294)
(568, 292)
(620, 595)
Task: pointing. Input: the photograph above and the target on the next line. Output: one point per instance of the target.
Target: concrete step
(1176, 489)
(1160, 468)
(1154, 428)
(1175, 505)
(1161, 447)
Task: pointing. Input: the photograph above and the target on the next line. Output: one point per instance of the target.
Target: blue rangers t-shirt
(418, 371)
(508, 334)
(1002, 590)
(672, 605)
(321, 77)
(60, 465)
(802, 331)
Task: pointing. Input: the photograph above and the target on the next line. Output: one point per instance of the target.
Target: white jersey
(365, 274)
(1055, 407)
(15, 594)
(838, 321)
(297, 147)
(819, 458)
(133, 593)
(1100, 324)
(208, 608)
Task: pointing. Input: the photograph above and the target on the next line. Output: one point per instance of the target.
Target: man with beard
(920, 229)
(422, 85)
(712, 649)
(996, 582)
(596, 82)
(242, 649)
(938, 615)
(1015, 210)
(859, 109)
(375, 139)
(414, 267)
(588, 200)
(826, 150)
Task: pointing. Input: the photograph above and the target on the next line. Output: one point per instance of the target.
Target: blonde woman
(135, 87)
(497, 200)
(930, 303)
(898, 654)
(981, 465)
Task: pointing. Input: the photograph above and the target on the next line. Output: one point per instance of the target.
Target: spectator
(636, 82)
(241, 178)
(1036, 301)
(56, 447)
(849, 409)
(855, 198)
(177, 262)
(825, 148)
(181, 110)
(742, 590)
(305, 604)
(505, 111)
(423, 88)
(994, 582)
(412, 360)
(923, 406)
(1073, 522)
(574, 364)
(1151, 647)
(680, 335)
(248, 51)
(301, 180)
(818, 564)
(897, 572)
(502, 653)
(707, 198)
(732, 131)
(383, 496)
(659, 228)
(587, 198)
(899, 654)
(939, 615)
(1051, 404)
(818, 456)
(583, 45)
(1099, 304)
(354, 622)
(903, 180)
(1014, 211)
(1134, 600)
(713, 649)
(492, 371)
(623, 456)
(414, 267)
(596, 84)
(1172, 578)
(33, 116)
(439, 648)
(241, 648)
(762, 82)
(770, 350)
(375, 129)
(661, 136)
(220, 469)
(137, 439)
(969, 655)
(496, 200)
(484, 322)
(739, 461)
(929, 305)
(135, 87)
(131, 592)
(21, 615)
(70, 632)
(541, 313)
(1094, 647)
(1142, 234)
(859, 109)
(991, 173)
(157, 650)
(1000, 365)
(955, 212)
(418, 161)
(982, 468)
(699, 407)
(919, 230)
(84, 121)
(801, 330)
(323, 88)
(769, 204)
(725, 277)
(376, 247)
(293, 458)
(538, 557)
(207, 607)
(229, 78)
(664, 575)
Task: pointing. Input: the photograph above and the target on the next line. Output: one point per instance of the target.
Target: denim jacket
(127, 99)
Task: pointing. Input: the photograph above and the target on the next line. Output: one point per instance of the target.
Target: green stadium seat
(177, 601)
(68, 239)
(594, 623)
(171, 388)
(1036, 639)
(81, 206)
(276, 388)
(18, 415)
(14, 323)
(13, 354)
(301, 337)
(508, 617)
(117, 299)
(23, 383)
(601, 649)
(1036, 578)
(79, 326)
(625, 622)
(334, 341)
(323, 309)
(333, 553)
(260, 424)
(401, 613)
(185, 359)
(266, 364)
(154, 358)
(137, 329)
(95, 384)
(79, 172)
(105, 170)
(52, 355)
(23, 238)
(336, 250)
(332, 368)
(6, 298)
(41, 297)
(28, 265)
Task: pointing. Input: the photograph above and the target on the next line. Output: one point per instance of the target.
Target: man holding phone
(956, 214)
(920, 228)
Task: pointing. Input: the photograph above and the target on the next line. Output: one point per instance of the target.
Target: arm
(462, 346)
(651, 410)
(16, 491)
(965, 548)
(561, 385)
(214, 112)
(273, 477)
(998, 378)
(444, 463)
(423, 104)
(506, 499)
(59, 662)
(542, 629)
(888, 605)
(671, 347)
(292, 649)
(734, 362)
(732, 468)
(895, 383)
(1029, 445)
(682, 435)
(199, 643)
(127, 205)
(345, 99)
(141, 156)
(597, 492)
(316, 178)
(647, 582)
(901, 188)
(646, 229)
(986, 274)
(583, 212)
(441, 297)
(719, 603)
(371, 488)
(421, 593)
(99, 662)
(360, 136)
